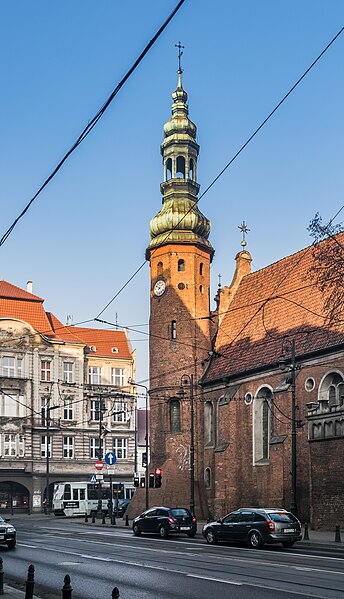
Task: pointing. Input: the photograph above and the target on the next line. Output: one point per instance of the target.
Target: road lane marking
(240, 584)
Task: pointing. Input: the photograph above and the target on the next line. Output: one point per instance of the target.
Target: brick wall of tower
(185, 301)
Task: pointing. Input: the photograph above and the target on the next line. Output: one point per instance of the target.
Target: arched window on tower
(181, 265)
(160, 268)
(180, 174)
(175, 416)
(207, 478)
(168, 174)
(201, 269)
(191, 170)
(174, 329)
(332, 389)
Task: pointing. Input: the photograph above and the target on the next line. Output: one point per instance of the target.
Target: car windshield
(180, 512)
(2, 519)
(282, 517)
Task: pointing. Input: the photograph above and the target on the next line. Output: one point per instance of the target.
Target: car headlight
(10, 529)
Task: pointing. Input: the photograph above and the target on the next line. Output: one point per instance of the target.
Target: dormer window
(92, 348)
(114, 350)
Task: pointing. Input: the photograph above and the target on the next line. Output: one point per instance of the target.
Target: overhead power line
(227, 165)
(93, 121)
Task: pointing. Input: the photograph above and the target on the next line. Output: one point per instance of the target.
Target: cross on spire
(180, 54)
(244, 230)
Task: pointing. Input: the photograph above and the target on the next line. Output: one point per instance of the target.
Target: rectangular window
(95, 375)
(68, 447)
(94, 448)
(68, 409)
(12, 405)
(120, 448)
(44, 446)
(45, 370)
(8, 366)
(21, 446)
(68, 372)
(120, 413)
(117, 377)
(10, 445)
(95, 408)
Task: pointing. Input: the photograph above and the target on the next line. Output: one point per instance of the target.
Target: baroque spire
(179, 220)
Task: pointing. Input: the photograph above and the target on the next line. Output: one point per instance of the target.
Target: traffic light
(144, 459)
(136, 481)
(158, 478)
(152, 480)
(142, 482)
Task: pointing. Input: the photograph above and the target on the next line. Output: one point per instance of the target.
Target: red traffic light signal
(158, 478)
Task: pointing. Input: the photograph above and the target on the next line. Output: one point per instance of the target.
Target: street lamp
(132, 382)
(187, 380)
(289, 347)
(47, 457)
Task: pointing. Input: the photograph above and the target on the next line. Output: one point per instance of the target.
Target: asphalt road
(148, 567)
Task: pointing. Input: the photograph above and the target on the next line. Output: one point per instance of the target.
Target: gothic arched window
(207, 478)
(262, 424)
(180, 167)
(160, 268)
(175, 416)
(209, 429)
(201, 268)
(174, 329)
(332, 388)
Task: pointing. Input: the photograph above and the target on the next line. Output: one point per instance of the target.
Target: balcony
(41, 423)
(12, 373)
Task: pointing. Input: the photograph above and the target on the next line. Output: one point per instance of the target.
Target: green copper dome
(179, 220)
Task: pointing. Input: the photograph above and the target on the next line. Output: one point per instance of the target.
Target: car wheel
(136, 530)
(163, 532)
(211, 537)
(11, 544)
(255, 540)
(191, 534)
(287, 543)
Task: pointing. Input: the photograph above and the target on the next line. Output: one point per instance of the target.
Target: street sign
(111, 471)
(93, 478)
(99, 465)
(110, 458)
(99, 476)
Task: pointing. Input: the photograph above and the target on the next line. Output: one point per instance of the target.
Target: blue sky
(87, 232)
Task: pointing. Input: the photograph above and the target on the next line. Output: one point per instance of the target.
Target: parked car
(255, 527)
(7, 533)
(166, 520)
(121, 508)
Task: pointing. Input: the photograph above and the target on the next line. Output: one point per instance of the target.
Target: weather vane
(180, 54)
(244, 229)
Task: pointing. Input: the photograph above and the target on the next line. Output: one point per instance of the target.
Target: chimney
(29, 286)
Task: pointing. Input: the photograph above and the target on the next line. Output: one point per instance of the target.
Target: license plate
(286, 530)
(2, 537)
(185, 528)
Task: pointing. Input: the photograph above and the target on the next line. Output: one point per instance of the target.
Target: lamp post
(289, 347)
(48, 409)
(190, 382)
(101, 406)
(132, 382)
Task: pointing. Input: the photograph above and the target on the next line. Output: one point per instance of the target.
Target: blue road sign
(110, 458)
(93, 478)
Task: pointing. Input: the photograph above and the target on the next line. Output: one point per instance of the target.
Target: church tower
(180, 255)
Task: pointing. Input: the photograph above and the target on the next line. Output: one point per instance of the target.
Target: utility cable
(94, 120)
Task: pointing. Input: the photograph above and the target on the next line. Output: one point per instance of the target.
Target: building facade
(64, 401)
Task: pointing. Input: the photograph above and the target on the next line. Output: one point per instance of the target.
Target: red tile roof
(281, 299)
(104, 340)
(7, 290)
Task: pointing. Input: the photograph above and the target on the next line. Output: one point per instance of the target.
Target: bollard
(1, 577)
(86, 517)
(126, 520)
(305, 534)
(93, 518)
(67, 589)
(113, 519)
(103, 518)
(115, 593)
(30, 582)
(337, 538)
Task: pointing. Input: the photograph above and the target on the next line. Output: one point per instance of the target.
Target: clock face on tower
(159, 288)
